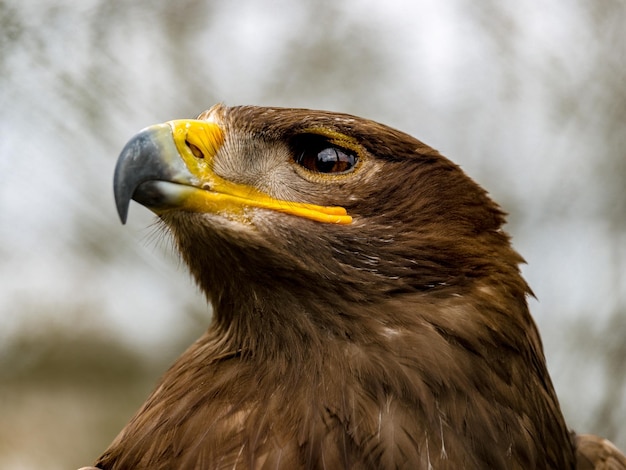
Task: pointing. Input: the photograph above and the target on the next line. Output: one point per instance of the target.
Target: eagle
(368, 307)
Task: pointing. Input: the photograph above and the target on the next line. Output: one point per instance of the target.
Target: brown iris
(318, 155)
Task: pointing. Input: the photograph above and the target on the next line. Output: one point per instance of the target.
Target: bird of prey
(368, 308)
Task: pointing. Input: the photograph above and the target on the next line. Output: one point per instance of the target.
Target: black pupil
(327, 159)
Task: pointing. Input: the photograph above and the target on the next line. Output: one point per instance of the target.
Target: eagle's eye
(320, 156)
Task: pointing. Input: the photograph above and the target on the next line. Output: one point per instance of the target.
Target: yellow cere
(198, 142)
(192, 136)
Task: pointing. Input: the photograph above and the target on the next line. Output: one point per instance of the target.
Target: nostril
(195, 150)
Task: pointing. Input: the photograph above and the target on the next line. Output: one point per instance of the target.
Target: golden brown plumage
(368, 308)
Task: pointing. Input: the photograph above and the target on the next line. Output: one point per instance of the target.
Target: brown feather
(400, 341)
(595, 453)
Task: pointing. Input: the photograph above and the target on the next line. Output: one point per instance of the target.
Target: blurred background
(530, 100)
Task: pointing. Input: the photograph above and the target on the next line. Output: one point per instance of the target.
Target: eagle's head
(328, 207)
(364, 295)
